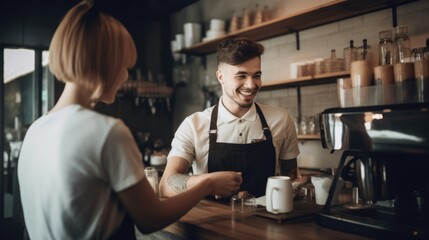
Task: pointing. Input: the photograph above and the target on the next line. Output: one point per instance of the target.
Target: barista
(237, 134)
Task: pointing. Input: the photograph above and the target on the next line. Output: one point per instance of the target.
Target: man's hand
(225, 183)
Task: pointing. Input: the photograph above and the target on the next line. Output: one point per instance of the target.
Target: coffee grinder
(386, 157)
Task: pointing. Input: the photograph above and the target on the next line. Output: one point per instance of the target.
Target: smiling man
(237, 134)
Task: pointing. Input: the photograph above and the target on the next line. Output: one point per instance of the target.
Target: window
(27, 93)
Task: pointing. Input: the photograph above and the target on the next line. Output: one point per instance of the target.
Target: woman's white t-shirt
(72, 164)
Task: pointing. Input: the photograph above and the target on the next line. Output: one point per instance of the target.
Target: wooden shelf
(302, 20)
(308, 137)
(302, 81)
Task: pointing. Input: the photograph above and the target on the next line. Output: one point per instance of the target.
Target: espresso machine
(386, 157)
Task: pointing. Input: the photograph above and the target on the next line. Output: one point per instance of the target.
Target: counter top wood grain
(213, 220)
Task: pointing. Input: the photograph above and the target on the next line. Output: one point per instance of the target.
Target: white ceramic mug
(279, 194)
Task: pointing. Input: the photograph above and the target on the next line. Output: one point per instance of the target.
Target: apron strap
(265, 127)
(213, 125)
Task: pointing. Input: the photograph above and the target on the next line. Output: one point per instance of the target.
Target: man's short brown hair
(237, 50)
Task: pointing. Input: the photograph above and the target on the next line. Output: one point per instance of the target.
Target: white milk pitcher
(321, 188)
(279, 195)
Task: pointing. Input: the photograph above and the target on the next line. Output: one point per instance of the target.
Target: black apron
(256, 161)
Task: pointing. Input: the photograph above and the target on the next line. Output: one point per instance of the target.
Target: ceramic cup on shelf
(361, 73)
(279, 194)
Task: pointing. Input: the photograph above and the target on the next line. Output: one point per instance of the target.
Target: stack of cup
(217, 29)
(176, 45)
(343, 90)
(192, 33)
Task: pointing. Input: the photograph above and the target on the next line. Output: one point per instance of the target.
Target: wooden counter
(213, 220)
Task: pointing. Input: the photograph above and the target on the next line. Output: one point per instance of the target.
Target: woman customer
(80, 172)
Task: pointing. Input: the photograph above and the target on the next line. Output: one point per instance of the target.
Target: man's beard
(245, 105)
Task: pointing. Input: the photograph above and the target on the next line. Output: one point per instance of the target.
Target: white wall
(315, 43)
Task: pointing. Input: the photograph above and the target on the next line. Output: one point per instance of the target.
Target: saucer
(354, 206)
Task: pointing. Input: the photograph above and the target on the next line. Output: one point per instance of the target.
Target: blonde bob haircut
(90, 48)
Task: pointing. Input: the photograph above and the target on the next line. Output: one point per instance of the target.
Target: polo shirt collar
(225, 116)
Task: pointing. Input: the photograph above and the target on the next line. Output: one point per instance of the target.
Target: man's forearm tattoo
(178, 182)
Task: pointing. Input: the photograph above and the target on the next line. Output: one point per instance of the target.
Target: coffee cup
(384, 75)
(279, 194)
(404, 71)
(361, 73)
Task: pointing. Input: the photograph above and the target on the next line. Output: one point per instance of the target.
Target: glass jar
(336, 64)
(319, 68)
(402, 47)
(385, 48)
(303, 126)
(329, 63)
(350, 55)
(417, 54)
(421, 63)
(426, 52)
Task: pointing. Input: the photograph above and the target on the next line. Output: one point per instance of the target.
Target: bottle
(334, 64)
(235, 22)
(259, 15)
(365, 51)
(246, 19)
(266, 14)
(402, 48)
(350, 55)
(385, 48)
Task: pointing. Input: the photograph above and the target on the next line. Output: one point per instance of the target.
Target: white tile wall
(315, 43)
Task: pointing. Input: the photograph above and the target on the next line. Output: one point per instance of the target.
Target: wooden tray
(301, 210)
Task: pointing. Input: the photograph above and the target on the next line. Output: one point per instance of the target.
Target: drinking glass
(152, 176)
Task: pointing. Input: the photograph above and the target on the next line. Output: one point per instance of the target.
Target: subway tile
(379, 16)
(315, 33)
(350, 23)
(415, 7)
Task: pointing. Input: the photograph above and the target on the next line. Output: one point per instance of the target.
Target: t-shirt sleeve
(289, 149)
(183, 143)
(121, 158)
